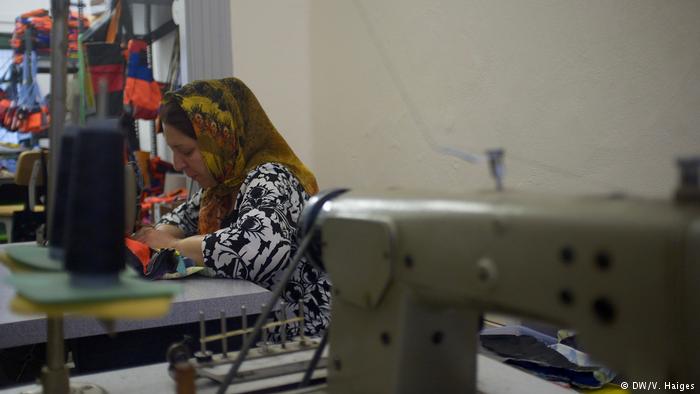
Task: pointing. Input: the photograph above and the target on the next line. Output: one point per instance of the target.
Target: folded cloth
(170, 264)
(545, 356)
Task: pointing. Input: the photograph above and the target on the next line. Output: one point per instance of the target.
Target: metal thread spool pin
(202, 355)
(264, 334)
(224, 338)
(302, 337)
(263, 331)
(283, 306)
(244, 321)
(202, 333)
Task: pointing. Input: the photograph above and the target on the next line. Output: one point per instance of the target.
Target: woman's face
(187, 157)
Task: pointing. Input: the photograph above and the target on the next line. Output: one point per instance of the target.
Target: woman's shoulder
(271, 172)
(272, 182)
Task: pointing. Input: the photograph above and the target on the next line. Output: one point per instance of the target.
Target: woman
(242, 224)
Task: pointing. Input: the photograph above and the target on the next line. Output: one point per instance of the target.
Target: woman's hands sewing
(156, 239)
(167, 236)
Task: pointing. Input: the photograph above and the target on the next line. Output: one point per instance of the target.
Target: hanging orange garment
(142, 94)
(36, 121)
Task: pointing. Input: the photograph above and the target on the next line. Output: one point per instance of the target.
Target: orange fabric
(4, 106)
(143, 159)
(137, 45)
(10, 116)
(36, 122)
(113, 27)
(140, 250)
(178, 194)
(143, 96)
(37, 12)
(148, 202)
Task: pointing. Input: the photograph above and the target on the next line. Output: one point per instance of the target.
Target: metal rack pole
(27, 78)
(57, 104)
(149, 58)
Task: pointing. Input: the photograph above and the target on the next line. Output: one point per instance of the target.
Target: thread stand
(265, 360)
(55, 374)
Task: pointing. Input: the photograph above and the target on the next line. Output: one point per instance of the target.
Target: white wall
(205, 37)
(585, 97)
(12, 9)
(271, 55)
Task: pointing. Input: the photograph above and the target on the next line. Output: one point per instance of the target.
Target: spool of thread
(185, 375)
(94, 235)
(60, 205)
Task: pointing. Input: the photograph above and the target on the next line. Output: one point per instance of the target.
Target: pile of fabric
(39, 23)
(556, 359)
(157, 264)
(22, 106)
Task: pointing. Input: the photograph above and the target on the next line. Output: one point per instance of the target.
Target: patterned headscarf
(235, 136)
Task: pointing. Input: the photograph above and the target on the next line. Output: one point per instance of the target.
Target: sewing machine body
(413, 273)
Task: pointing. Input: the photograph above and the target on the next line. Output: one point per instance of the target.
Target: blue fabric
(138, 68)
(579, 379)
(520, 330)
(164, 264)
(546, 356)
(9, 164)
(29, 94)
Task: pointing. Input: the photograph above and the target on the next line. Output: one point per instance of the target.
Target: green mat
(55, 288)
(33, 256)
(37, 257)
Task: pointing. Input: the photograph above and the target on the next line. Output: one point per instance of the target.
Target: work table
(198, 294)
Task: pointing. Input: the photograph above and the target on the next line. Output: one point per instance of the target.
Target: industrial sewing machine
(413, 273)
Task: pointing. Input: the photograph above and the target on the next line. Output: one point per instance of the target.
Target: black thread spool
(94, 238)
(60, 201)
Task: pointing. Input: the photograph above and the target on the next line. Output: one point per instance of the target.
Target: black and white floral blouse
(258, 240)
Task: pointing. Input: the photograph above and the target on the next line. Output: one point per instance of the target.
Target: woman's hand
(163, 238)
(155, 239)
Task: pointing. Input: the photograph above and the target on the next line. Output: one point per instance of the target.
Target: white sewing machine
(413, 273)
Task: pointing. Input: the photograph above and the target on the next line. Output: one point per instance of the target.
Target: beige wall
(585, 97)
(271, 55)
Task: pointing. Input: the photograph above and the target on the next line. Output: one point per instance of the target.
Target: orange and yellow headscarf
(235, 136)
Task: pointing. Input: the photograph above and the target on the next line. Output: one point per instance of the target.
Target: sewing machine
(413, 273)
